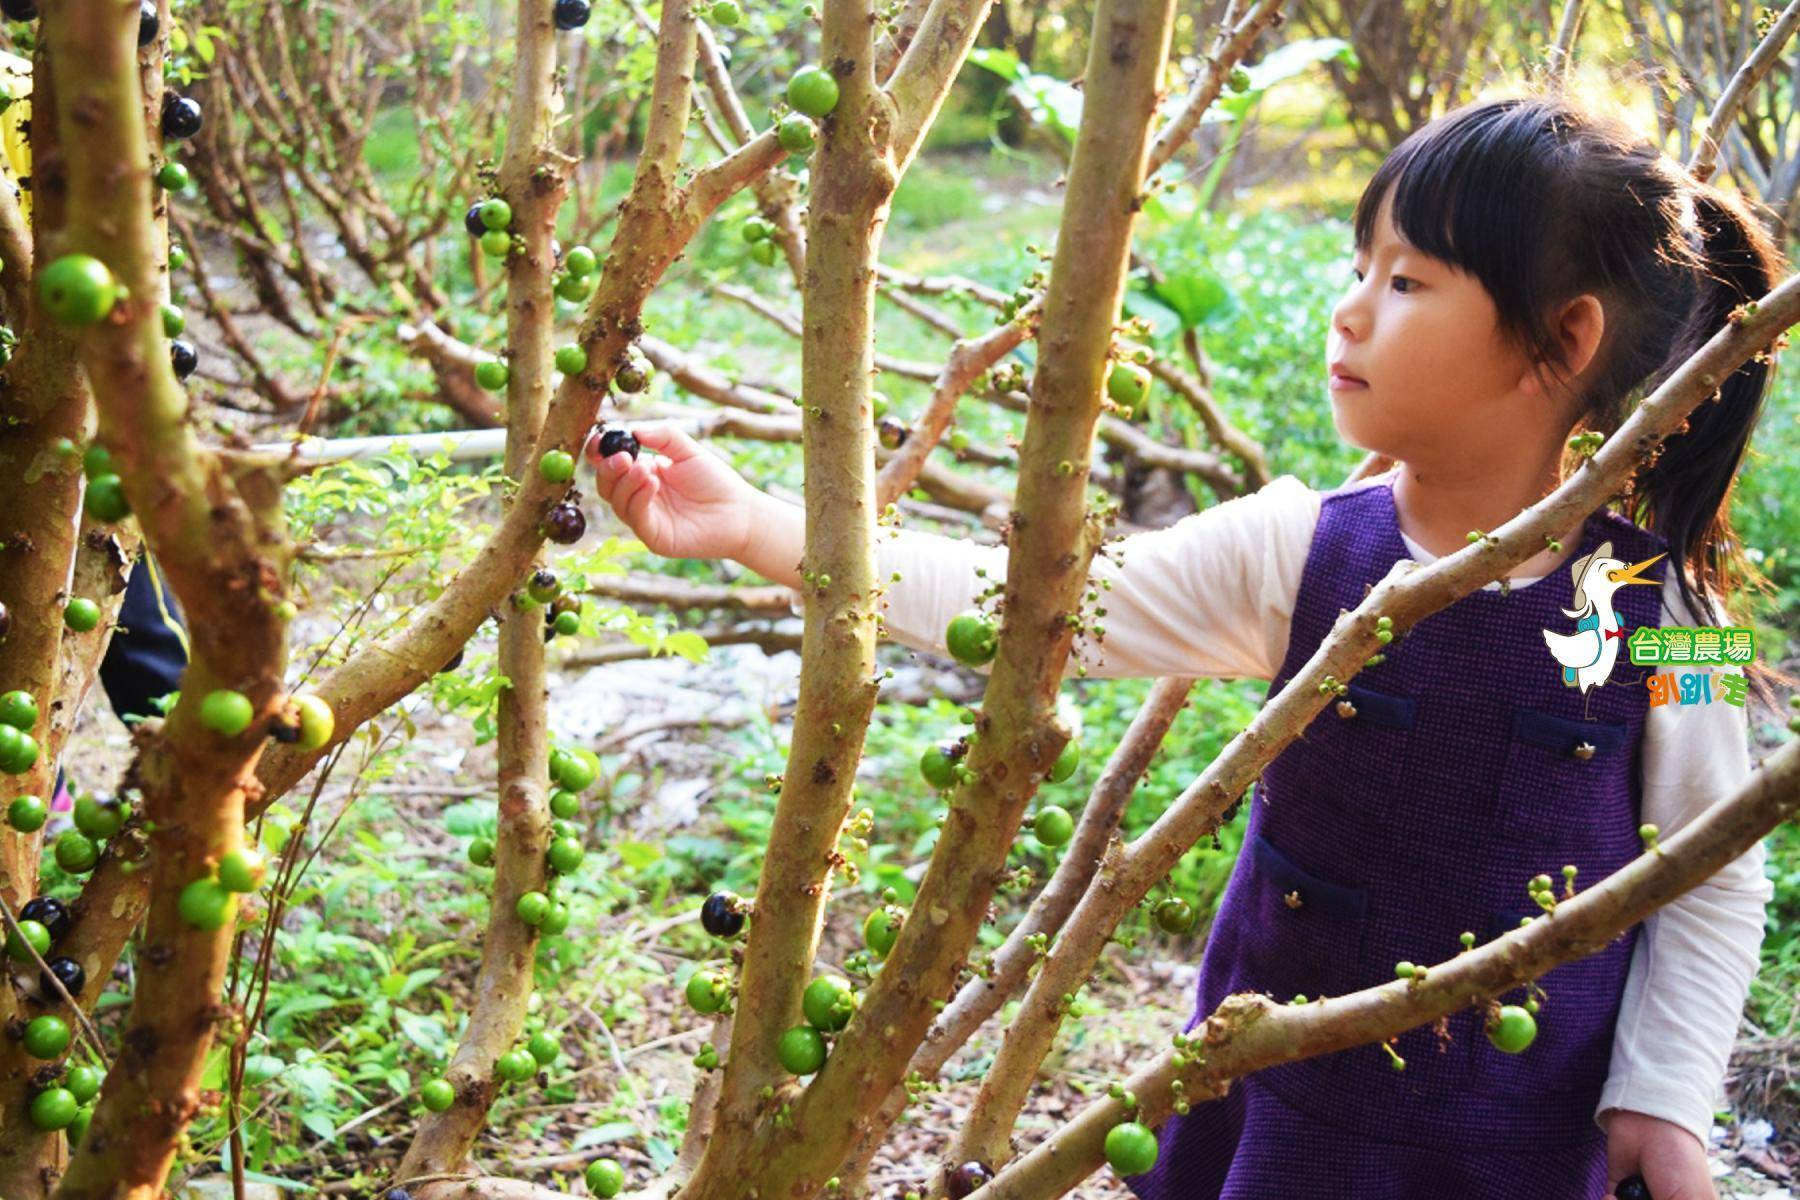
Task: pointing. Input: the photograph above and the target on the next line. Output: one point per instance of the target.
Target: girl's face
(1442, 388)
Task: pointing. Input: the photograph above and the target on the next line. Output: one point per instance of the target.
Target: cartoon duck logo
(1588, 654)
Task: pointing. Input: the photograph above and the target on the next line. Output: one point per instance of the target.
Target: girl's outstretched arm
(1211, 595)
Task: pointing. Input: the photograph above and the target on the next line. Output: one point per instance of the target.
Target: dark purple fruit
(19, 10)
(5, 620)
(893, 433)
(181, 117)
(49, 912)
(69, 973)
(455, 662)
(472, 221)
(284, 728)
(397, 1194)
(1632, 1187)
(615, 440)
(631, 378)
(722, 915)
(966, 1178)
(571, 14)
(149, 22)
(183, 357)
(564, 524)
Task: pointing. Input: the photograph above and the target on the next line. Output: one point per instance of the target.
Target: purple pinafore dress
(1424, 814)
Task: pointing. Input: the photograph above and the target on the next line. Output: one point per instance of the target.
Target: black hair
(1541, 200)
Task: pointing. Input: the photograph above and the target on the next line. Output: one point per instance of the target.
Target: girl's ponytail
(1684, 494)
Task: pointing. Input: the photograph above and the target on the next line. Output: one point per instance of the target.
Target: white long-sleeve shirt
(1213, 595)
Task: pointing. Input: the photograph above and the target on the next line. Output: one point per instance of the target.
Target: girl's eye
(1404, 292)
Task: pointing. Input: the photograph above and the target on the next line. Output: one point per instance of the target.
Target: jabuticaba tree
(807, 1072)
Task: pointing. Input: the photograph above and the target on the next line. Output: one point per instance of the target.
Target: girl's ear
(1577, 329)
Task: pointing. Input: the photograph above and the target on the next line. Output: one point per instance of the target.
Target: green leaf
(638, 855)
(1196, 294)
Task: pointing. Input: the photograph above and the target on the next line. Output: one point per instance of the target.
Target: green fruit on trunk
(1173, 915)
(242, 870)
(77, 289)
(173, 177)
(881, 929)
(84, 1116)
(46, 1037)
(53, 1108)
(725, 13)
(765, 252)
(564, 805)
(18, 751)
(226, 713)
(1066, 761)
(565, 855)
(317, 721)
(756, 229)
(105, 498)
(1130, 1148)
(571, 359)
(828, 1003)
(567, 624)
(580, 261)
(1513, 1030)
(97, 460)
(813, 91)
(1127, 383)
(496, 213)
(801, 1050)
(492, 374)
(971, 638)
(796, 134)
(556, 920)
(557, 466)
(437, 1095)
(76, 853)
(938, 765)
(543, 1048)
(575, 288)
(206, 904)
(496, 243)
(605, 1177)
(516, 1065)
(174, 321)
(579, 768)
(1053, 826)
(98, 819)
(707, 991)
(481, 852)
(32, 934)
(81, 614)
(83, 1082)
(532, 908)
(27, 814)
(19, 710)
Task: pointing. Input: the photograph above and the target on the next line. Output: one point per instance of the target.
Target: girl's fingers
(629, 486)
(637, 505)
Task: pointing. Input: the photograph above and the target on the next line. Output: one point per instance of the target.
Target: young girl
(1524, 269)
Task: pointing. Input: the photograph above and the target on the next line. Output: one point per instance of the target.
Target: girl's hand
(690, 504)
(1671, 1161)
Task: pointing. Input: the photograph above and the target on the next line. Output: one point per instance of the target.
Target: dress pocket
(1302, 933)
(1572, 1051)
(1556, 769)
(1351, 753)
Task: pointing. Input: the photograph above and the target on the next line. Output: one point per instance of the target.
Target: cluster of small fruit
(18, 717)
(562, 612)
(565, 523)
(42, 923)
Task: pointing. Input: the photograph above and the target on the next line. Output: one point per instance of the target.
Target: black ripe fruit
(181, 117)
(564, 524)
(615, 440)
(183, 357)
(721, 916)
(69, 973)
(149, 23)
(571, 14)
(49, 912)
(5, 621)
(472, 220)
(966, 1178)
(1632, 1187)
(455, 662)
